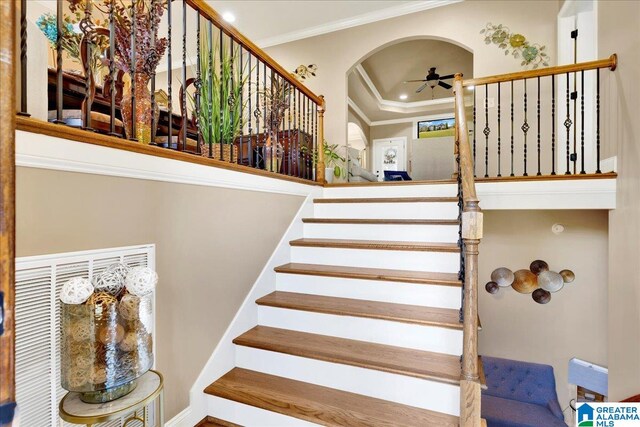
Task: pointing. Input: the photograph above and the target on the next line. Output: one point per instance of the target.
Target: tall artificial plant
(222, 77)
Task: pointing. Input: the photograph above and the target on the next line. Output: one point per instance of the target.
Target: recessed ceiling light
(229, 17)
(403, 96)
(471, 87)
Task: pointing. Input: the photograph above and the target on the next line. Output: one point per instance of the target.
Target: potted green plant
(222, 110)
(334, 162)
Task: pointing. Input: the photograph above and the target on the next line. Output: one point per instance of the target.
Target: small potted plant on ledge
(334, 162)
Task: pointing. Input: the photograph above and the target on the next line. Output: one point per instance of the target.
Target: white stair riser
(371, 290)
(438, 210)
(440, 262)
(395, 232)
(392, 190)
(368, 382)
(399, 334)
(250, 416)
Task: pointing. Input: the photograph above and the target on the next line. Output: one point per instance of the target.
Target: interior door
(7, 208)
(389, 154)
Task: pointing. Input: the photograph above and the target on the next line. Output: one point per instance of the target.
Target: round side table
(150, 387)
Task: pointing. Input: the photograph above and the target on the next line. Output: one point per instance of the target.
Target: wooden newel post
(470, 381)
(320, 164)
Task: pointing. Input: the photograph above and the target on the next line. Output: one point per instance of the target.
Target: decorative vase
(105, 346)
(144, 110)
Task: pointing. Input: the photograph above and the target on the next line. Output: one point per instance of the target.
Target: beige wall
(336, 53)
(574, 322)
(431, 158)
(618, 32)
(211, 244)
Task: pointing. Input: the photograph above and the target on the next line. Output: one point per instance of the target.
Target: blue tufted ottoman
(520, 394)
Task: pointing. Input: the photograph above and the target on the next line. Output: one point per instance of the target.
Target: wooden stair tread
(404, 361)
(432, 316)
(389, 200)
(381, 221)
(419, 277)
(318, 404)
(215, 422)
(376, 245)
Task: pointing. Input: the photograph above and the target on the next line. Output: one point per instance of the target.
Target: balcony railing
(538, 123)
(166, 74)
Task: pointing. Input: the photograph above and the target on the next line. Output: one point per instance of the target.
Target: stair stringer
(223, 357)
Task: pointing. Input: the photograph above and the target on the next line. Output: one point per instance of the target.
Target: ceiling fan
(432, 80)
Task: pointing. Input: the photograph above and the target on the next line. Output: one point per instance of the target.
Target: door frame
(374, 159)
(7, 207)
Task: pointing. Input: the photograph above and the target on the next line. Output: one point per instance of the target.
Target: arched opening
(400, 94)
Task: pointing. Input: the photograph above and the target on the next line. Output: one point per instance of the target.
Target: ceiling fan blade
(421, 88)
(413, 81)
(448, 76)
(445, 85)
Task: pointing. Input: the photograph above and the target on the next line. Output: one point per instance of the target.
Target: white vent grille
(38, 283)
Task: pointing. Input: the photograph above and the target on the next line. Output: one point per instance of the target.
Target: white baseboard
(183, 419)
(223, 357)
(610, 164)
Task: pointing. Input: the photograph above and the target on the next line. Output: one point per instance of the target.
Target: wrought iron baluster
(59, 98)
(86, 26)
(267, 120)
(289, 144)
(222, 94)
(306, 134)
(512, 127)
(582, 171)
(298, 136)
(23, 59)
(183, 100)
(250, 110)
(486, 131)
(474, 132)
(154, 123)
(198, 85)
(231, 98)
(210, 137)
(525, 128)
(169, 78)
(112, 70)
(256, 114)
(553, 124)
(134, 73)
(499, 132)
(598, 121)
(567, 125)
(538, 112)
(314, 148)
(240, 158)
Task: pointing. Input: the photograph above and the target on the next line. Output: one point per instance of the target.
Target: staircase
(363, 328)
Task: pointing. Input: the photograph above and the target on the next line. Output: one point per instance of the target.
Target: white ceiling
(268, 23)
(376, 84)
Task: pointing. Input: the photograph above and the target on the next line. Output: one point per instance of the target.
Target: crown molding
(386, 105)
(366, 18)
(358, 111)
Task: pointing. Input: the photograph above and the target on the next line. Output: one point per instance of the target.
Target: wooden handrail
(610, 63)
(466, 162)
(471, 233)
(209, 13)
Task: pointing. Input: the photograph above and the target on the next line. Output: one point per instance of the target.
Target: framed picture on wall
(436, 128)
